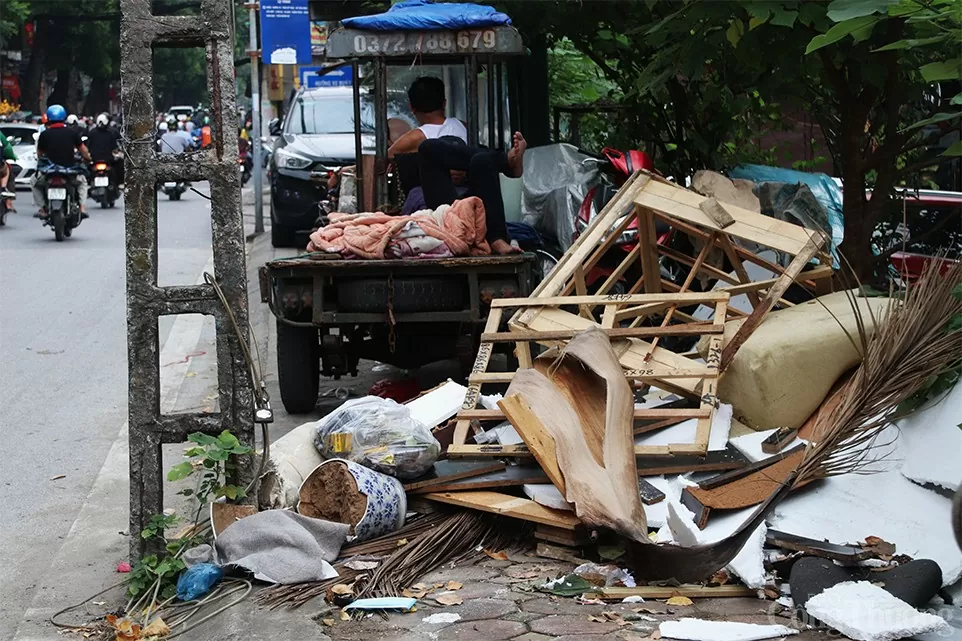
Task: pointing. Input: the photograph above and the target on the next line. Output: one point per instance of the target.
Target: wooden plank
(489, 449)
(716, 212)
(507, 505)
(653, 413)
(726, 244)
(761, 310)
(687, 298)
(473, 394)
(725, 460)
(539, 441)
(666, 592)
(845, 554)
(692, 273)
(619, 271)
(689, 329)
(522, 351)
(648, 241)
(509, 476)
(444, 471)
(779, 440)
(579, 252)
(572, 538)
(581, 289)
(619, 227)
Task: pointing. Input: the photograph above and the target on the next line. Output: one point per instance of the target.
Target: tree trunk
(860, 214)
(61, 90)
(31, 99)
(98, 100)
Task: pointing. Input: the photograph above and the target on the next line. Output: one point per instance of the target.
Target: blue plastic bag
(413, 15)
(198, 580)
(826, 192)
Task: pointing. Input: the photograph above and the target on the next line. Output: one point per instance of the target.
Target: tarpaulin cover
(420, 14)
(826, 192)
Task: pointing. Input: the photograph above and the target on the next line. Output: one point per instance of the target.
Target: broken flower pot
(373, 504)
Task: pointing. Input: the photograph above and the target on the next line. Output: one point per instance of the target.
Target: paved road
(63, 373)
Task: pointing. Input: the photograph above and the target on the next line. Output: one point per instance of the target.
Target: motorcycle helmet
(72, 119)
(162, 126)
(56, 113)
(102, 120)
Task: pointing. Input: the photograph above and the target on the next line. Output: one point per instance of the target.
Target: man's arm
(82, 148)
(406, 144)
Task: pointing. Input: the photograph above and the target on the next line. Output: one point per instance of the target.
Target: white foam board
(685, 431)
(865, 612)
(932, 442)
(438, 405)
(751, 444)
(690, 629)
(547, 495)
(846, 509)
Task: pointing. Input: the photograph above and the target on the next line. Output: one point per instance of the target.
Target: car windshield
(19, 135)
(330, 115)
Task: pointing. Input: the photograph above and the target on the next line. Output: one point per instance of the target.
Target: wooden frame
(714, 225)
(694, 378)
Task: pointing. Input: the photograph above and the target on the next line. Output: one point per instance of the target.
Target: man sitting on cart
(444, 156)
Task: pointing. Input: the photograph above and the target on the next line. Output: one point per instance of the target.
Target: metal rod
(474, 127)
(380, 132)
(359, 176)
(489, 73)
(500, 99)
(256, 123)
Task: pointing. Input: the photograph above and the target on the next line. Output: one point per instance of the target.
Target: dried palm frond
(916, 338)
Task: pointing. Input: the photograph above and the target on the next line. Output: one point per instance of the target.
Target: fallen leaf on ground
(328, 622)
(58, 477)
(454, 585)
(497, 556)
(679, 600)
(420, 586)
(597, 619)
(156, 628)
(342, 588)
(402, 542)
(357, 566)
(438, 585)
(527, 574)
(448, 598)
(611, 616)
(344, 616)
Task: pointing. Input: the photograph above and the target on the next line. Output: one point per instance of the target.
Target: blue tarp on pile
(413, 15)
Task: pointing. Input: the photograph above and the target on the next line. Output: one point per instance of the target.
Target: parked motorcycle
(104, 187)
(61, 201)
(174, 189)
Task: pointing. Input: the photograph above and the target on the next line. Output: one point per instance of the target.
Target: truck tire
(298, 367)
(410, 295)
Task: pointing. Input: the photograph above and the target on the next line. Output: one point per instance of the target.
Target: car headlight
(290, 160)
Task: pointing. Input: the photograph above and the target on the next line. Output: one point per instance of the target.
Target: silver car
(23, 136)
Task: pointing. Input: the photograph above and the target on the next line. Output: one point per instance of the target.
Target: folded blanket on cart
(450, 230)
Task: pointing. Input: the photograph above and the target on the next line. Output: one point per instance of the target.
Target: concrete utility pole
(255, 56)
(140, 31)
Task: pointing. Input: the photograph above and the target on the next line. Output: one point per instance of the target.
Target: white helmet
(162, 126)
(72, 119)
(102, 120)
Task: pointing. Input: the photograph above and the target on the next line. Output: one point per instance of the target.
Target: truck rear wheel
(298, 368)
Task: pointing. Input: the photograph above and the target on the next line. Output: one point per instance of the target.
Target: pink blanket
(461, 227)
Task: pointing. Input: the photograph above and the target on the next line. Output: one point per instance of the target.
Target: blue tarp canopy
(419, 15)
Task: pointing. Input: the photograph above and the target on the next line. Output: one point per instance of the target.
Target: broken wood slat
(539, 441)
(723, 479)
(648, 240)
(694, 329)
(572, 538)
(611, 299)
(507, 505)
(522, 351)
(709, 390)
(684, 259)
(697, 412)
(649, 493)
(561, 552)
(717, 212)
(739, 267)
(507, 476)
(699, 510)
(728, 459)
(619, 271)
(456, 450)
(759, 313)
(481, 361)
(666, 592)
(444, 471)
(779, 440)
(847, 554)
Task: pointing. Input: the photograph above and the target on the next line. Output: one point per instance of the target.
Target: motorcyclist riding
(58, 145)
(102, 141)
(173, 141)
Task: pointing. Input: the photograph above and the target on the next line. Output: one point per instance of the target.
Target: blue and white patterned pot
(386, 500)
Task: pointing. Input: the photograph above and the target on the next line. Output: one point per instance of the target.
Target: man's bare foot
(502, 248)
(516, 154)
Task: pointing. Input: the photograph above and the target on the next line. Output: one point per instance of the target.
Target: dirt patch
(330, 493)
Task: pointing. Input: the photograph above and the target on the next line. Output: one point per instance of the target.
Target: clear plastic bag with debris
(378, 433)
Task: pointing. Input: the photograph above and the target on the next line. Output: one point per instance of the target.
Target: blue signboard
(285, 32)
(339, 77)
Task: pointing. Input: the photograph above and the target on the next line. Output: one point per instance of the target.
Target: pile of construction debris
(701, 435)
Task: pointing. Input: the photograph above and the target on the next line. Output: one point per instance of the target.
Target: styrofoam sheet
(866, 612)
(848, 508)
(689, 629)
(931, 442)
(751, 444)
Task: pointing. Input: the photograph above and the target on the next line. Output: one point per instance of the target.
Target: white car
(23, 137)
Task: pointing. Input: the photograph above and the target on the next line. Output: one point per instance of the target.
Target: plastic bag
(380, 434)
(198, 580)
(421, 14)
